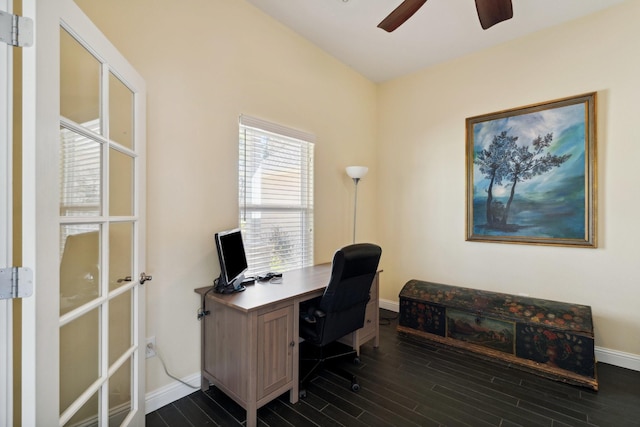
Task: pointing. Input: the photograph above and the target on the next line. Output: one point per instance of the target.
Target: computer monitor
(233, 261)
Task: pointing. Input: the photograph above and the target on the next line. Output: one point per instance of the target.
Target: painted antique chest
(550, 338)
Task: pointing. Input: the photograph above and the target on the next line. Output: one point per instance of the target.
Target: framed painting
(531, 174)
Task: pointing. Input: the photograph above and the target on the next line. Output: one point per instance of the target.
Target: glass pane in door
(80, 175)
(79, 81)
(119, 326)
(120, 112)
(79, 356)
(120, 254)
(87, 415)
(120, 394)
(79, 265)
(120, 183)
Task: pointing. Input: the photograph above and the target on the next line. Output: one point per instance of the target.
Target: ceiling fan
(490, 12)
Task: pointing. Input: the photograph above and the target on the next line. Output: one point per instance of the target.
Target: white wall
(422, 152)
(205, 62)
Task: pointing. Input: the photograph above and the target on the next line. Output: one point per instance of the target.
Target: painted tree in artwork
(526, 162)
(493, 164)
(506, 161)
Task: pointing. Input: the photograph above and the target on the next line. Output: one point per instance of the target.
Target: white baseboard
(158, 398)
(618, 358)
(604, 355)
(389, 305)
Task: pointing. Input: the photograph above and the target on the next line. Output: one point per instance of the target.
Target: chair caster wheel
(302, 394)
(356, 361)
(355, 387)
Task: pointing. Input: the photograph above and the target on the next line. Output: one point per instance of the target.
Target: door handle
(144, 278)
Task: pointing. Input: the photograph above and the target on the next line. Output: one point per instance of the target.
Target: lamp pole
(356, 173)
(355, 208)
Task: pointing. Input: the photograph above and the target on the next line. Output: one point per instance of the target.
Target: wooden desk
(250, 339)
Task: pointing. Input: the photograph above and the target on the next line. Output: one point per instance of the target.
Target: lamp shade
(357, 172)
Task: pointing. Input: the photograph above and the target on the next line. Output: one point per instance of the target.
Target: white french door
(83, 225)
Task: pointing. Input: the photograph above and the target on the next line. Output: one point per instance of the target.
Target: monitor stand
(241, 284)
(222, 287)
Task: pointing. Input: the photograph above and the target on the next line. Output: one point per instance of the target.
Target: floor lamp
(356, 173)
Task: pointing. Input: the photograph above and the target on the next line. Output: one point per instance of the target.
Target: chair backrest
(347, 294)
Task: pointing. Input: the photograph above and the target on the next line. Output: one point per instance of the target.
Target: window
(275, 177)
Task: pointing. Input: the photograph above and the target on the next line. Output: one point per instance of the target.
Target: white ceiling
(441, 30)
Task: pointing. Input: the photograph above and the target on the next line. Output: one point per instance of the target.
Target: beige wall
(422, 151)
(205, 62)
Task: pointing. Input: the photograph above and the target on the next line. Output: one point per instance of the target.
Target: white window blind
(80, 179)
(275, 196)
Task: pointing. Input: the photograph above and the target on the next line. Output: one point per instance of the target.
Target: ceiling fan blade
(401, 13)
(492, 12)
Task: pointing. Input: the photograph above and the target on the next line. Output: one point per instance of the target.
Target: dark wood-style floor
(407, 382)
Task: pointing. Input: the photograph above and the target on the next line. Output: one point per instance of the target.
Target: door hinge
(16, 282)
(16, 30)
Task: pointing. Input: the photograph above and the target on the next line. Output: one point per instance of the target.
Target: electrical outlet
(150, 349)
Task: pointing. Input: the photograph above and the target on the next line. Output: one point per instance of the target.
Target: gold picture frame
(531, 174)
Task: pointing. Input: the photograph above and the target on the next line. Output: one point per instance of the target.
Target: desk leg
(376, 340)
(204, 383)
(376, 316)
(252, 415)
(294, 392)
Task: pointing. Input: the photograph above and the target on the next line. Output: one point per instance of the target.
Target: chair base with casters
(326, 358)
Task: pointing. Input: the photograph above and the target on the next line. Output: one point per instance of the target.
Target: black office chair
(341, 309)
